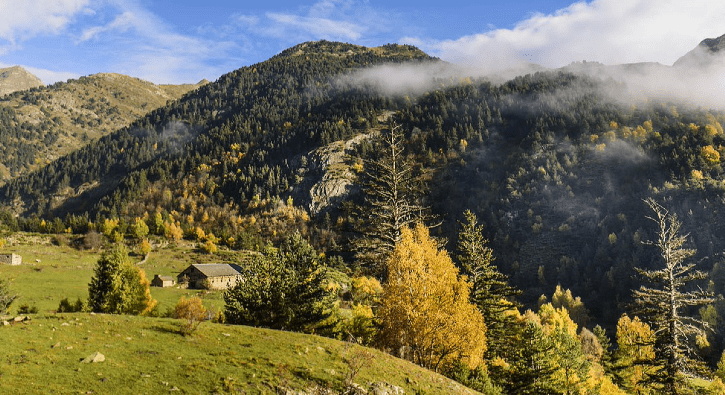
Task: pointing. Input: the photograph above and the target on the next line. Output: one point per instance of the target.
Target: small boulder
(380, 388)
(94, 358)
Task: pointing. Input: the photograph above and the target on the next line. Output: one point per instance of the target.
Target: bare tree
(664, 302)
(393, 201)
(6, 297)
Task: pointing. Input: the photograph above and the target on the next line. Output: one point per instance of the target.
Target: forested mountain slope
(554, 164)
(41, 124)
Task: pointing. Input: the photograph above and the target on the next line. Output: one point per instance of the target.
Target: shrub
(92, 240)
(192, 312)
(60, 240)
(66, 306)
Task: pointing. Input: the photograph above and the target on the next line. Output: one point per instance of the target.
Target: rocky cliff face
(16, 78)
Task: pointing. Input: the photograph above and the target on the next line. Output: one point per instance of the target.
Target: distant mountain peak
(714, 44)
(16, 78)
(708, 53)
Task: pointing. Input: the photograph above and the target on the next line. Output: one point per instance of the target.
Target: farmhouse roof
(166, 278)
(218, 269)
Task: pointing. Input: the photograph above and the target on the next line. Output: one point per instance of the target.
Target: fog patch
(696, 80)
(402, 79)
(621, 152)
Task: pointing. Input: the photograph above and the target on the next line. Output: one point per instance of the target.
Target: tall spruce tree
(533, 364)
(393, 201)
(490, 290)
(665, 301)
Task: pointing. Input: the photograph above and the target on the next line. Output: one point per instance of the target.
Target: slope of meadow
(148, 355)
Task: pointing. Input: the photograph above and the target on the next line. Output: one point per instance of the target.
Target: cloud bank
(606, 31)
(22, 20)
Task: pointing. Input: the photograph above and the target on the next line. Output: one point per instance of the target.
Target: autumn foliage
(425, 310)
(192, 312)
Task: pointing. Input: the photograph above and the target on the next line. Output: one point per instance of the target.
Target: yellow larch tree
(635, 354)
(425, 309)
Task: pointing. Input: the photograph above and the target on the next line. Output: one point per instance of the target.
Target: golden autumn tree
(635, 354)
(572, 367)
(425, 309)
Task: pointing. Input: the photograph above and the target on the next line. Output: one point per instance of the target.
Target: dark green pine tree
(106, 279)
(118, 286)
(283, 288)
(490, 290)
(532, 363)
(666, 300)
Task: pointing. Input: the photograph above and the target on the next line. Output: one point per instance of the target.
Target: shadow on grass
(167, 329)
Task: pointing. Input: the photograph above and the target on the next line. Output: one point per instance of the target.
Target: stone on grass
(95, 357)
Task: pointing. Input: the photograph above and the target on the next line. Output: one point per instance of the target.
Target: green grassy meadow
(50, 273)
(146, 355)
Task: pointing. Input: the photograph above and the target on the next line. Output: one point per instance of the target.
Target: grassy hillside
(50, 273)
(45, 123)
(16, 78)
(148, 355)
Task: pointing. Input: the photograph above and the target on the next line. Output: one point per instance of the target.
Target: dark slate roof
(218, 269)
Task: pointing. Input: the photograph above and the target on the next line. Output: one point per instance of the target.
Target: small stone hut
(210, 276)
(10, 259)
(163, 281)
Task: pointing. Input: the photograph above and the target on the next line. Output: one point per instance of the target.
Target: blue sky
(183, 41)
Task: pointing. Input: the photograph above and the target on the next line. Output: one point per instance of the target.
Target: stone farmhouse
(210, 276)
(10, 259)
(163, 281)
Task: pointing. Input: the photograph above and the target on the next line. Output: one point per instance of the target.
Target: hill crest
(707, 54)
(16, 78)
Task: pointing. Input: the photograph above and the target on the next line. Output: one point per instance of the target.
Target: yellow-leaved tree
(635, 355)
(425, 311)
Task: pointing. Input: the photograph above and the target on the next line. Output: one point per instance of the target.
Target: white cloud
(317, 27)
(122, 22)
(607, 31)
(344, 20)
(142, 45)
(22, 20)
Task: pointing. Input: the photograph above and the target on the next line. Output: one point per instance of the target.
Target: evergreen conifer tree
(283, 288)
(490, 290)
(118, 286)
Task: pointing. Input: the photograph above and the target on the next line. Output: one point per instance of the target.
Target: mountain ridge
(16, 78)
(67, 115)
(708, 53)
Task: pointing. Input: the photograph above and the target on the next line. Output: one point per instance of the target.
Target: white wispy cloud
(608, 31)
(122, 22)
(285, 24)
(145, 46)
(23, 20)
(343, 20)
